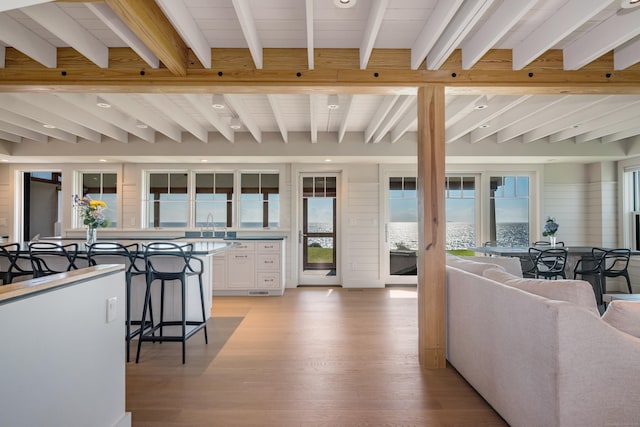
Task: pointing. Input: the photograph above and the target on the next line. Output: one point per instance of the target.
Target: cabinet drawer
(268, 246)
(243, 246)
(268, 280)
(268, 262)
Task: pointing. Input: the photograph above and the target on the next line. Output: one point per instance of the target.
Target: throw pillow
(578, 292)
(624, 315)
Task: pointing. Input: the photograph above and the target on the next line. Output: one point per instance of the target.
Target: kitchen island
(203, 249)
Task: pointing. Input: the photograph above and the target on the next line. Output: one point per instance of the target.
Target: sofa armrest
(624, 315)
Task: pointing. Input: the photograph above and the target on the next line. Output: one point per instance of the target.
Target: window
(636, 190)
(209, 199)
(102, 186)
(460, 197)
(167, 200)
(259, 200)
(214, 199)
(509, 210)
(402, 228)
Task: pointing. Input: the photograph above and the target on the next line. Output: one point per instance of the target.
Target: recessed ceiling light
(48, 126)
(102, 160)
(141, 125)
(327, 160)
(235, 123)
(333, 103)
(102, 103)
(4, 160)
(217, 101)
(481, 104)
(204, 160)
(484, 126)
(344, 4)
(628, 4)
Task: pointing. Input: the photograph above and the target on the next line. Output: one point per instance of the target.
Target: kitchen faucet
(208, 226)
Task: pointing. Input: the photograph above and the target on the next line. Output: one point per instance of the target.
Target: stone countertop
(201, 246)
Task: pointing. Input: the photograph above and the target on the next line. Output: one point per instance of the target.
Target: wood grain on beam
(431, 253)
(337, 71)
(147, 21)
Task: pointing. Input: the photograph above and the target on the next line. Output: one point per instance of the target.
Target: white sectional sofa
(538, 351)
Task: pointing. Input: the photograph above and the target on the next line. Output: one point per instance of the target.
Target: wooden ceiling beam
(337, 71)
(146, 20)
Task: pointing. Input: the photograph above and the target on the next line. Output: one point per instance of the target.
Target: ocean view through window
(509, 210)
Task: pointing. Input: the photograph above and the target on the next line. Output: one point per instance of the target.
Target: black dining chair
(14, 264)
(171, 262)
(49, 258)
(616, 264)
(129, 255)
(548, 263)
(604, 263)
(591, 266)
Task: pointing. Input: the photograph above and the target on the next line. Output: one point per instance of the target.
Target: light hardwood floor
(313, 357)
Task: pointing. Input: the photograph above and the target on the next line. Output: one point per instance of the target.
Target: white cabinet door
(219, 271)
(241, 270)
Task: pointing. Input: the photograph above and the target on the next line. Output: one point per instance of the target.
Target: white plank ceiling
(583, 29)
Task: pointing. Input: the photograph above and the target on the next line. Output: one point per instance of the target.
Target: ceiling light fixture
(217, 101)
(235, 123)
(141, 125)
(103, 160)
(102, 103)
(333, 102)
(344, 4)
(481, 104)
(628, 4)
(48, 126)
(484, 126)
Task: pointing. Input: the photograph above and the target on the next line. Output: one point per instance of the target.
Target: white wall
(581, 197)
(62, 363)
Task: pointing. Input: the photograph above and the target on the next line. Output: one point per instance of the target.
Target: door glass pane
(509, 210)
(460, 212)
(320, 214)
(402, 228)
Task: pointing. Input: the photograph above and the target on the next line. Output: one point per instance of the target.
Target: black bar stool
(111, 252)
(15, 263)
(166, 261)
(49, 258)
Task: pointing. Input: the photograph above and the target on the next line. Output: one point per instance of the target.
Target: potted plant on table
(92, 214)
(550, 229)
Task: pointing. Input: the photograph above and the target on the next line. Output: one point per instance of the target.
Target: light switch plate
(112, 309)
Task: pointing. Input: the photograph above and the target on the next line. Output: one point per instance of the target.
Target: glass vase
(552, 241)
(92, 235)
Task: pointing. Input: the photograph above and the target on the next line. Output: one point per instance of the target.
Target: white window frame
(77, 189)
(191, 175)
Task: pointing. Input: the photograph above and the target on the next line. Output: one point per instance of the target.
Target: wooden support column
(431, 209)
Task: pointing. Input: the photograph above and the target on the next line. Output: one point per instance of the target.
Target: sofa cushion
(578, 292)
(624, 315)
(510, 264)
(471, 266)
